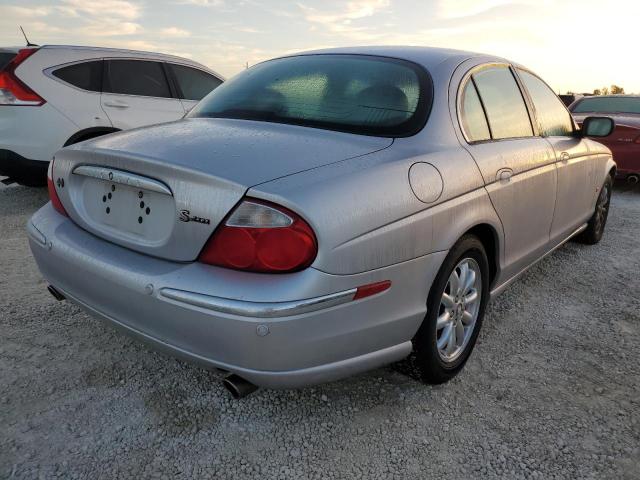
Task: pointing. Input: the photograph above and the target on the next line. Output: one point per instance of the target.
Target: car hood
(241, 151)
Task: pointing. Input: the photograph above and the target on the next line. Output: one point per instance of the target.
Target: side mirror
(598, 126)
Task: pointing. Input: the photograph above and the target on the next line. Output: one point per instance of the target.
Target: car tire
(598, 221)
(437, 363)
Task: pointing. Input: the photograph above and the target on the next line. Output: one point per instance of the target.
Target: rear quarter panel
(366, 215)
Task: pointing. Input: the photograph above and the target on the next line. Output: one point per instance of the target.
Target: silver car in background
(325, 213)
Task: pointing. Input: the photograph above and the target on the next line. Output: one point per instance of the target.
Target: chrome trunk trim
(122, 178)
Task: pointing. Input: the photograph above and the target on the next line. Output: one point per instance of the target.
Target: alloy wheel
(459, 308)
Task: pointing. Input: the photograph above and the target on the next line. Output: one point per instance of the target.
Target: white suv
(53, 96)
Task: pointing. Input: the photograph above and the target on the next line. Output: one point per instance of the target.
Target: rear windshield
(350, 93)
(608, 105)
(5, 57)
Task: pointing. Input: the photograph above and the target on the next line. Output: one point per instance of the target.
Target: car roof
(425, 56)
(165, 56)
(624, 95)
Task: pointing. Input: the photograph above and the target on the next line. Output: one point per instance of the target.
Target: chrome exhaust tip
(55, 293)
(238, 386)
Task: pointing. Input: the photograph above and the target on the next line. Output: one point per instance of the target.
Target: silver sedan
(325, 213)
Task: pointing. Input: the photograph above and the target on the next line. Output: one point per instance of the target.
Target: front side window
(474, 121)
(552, 115)
(350, 93)
(136, 77)
(503, 102)
(194, 84)
(86, 75)
(607, 105)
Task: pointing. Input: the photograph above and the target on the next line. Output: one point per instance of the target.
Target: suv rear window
(608, 105)
(86, 75)
(5, 57)
(136, 77)
(194, 84)
(360, 94)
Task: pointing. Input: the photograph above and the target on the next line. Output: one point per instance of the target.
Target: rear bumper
(277, 331)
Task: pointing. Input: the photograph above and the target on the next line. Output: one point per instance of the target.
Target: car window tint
(86, 75)
(474, 122)
(502, 99)
(608, 105)
(552, 115)
(350, 93)
(135, 77)
(194, 84)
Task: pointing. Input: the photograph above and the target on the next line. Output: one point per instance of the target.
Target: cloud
(353, 10)
(102, 9)
(202, 3)
(175, 32)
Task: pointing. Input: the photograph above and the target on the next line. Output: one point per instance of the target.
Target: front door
(576, 167)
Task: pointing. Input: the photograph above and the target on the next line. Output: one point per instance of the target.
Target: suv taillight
(261, 237)
(53, 194)
(12, 90)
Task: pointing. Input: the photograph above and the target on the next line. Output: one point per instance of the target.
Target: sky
(575, 45)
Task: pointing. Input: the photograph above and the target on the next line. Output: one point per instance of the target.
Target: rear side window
(552, 115)
(5, 58)
(86, 75)
(503, 102)
(194, 84)
(474, 122)
(136, 77)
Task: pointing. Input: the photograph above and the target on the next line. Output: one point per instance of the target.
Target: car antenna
(29, 44)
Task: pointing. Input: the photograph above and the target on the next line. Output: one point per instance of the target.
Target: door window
(552, 115)
(474, 121)
(194, 84)
(86, 75)
(136, 77)
(503, 103)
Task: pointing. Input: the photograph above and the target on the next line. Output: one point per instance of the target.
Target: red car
(624, 142)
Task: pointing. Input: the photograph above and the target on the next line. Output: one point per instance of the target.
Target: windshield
(608, 105)
(350, 93)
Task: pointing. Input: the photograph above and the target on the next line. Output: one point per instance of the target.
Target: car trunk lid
(163, 190)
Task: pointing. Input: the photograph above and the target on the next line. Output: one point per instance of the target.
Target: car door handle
(564, 157)
(504, 175)
(116, 104)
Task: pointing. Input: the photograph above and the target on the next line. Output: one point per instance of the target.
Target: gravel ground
(551, 391)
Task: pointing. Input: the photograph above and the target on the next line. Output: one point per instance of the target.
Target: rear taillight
(53, 194)
(261, 237)
(12, 90)
(637, 140)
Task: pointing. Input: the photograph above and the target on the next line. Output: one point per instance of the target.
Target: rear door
(575, 165)
(518, 167)
(192, 84)
(136, 93)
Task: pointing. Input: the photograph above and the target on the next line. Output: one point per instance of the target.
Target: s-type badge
(185, 216)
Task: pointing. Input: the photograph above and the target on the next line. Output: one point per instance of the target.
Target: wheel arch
(490, 239)
(88, 133)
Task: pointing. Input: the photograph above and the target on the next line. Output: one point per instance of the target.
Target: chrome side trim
(122, 178)
(503, 286)
(258, 309)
